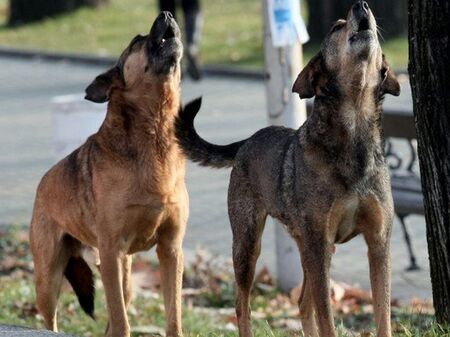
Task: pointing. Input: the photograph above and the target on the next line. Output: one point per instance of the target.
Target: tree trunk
(392, 16)
(24, 11)
(429, 69)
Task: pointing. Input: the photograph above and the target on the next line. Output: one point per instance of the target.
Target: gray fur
(326, 182)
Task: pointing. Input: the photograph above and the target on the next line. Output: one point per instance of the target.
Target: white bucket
(74, 120)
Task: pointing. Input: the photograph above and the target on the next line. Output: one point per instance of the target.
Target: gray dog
(326, 182)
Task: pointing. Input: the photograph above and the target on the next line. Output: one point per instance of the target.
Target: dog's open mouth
(168, 34)
(363, 25)
(363, 28)
(164, 29)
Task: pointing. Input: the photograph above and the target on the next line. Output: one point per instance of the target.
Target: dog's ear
(309, 78)
(389, 83)
(100, 88)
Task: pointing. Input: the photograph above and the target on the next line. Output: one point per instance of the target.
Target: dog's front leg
(306, 310)
(377, 233)
(316, 254)
(170, 255)
(380, 279)
(111, 272)
(126, 275)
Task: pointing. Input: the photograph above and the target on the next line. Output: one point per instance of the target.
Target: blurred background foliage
(232, 28)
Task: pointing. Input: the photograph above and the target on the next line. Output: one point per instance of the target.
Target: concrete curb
(92, 60)
(107, 61)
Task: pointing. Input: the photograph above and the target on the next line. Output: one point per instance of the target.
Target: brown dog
(327, 181)
(121, 192)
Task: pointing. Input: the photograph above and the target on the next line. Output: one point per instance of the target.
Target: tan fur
(121, 192)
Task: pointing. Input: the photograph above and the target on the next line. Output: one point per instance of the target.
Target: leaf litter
(209, 288)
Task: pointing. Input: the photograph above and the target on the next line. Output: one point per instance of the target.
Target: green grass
(232, 32)
(208, 313)
(396, 51)
(17, 307)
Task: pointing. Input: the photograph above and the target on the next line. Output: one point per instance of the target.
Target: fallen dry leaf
(145, 277)
(264, 277)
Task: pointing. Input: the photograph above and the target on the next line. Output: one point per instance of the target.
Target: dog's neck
(140, 124)
(352, 106)
(357, 91)
(341, 120)
(343, 127)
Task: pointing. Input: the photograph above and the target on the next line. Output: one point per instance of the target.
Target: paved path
(15, 331)
(232, 110)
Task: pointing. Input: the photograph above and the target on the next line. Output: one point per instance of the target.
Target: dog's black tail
(81, 278)
(198, 149)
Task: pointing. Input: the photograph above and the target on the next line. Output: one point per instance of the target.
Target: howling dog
(326, 182)
(122, 191)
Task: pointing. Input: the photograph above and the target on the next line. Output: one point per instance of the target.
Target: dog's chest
(346, 226)
(145, 220)
(142, 242)
(143, 223)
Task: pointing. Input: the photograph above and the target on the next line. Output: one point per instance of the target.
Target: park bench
(406, 184)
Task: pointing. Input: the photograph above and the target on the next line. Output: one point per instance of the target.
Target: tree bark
(25, 11)
(429, 69)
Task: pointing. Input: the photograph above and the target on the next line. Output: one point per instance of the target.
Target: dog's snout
(365, 6)
(167, 15)
(361, 8)
(164, 16)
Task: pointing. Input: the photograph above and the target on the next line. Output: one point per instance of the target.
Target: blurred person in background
(193, 26)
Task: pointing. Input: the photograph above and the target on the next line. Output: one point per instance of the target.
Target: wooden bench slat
(397, 124)
(407, 203)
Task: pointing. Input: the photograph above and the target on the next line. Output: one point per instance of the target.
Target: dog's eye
(336, 28)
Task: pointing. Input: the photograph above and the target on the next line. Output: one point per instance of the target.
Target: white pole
(284, 108)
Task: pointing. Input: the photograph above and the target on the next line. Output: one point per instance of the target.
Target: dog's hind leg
(306, 310)
(51, 252)
(247, 223)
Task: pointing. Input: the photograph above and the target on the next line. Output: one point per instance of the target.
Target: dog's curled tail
(81, 278)
(197, 149)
